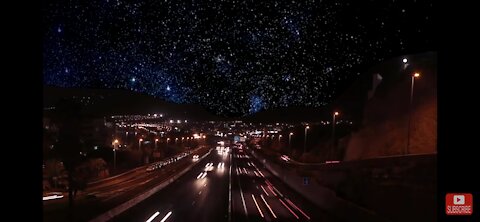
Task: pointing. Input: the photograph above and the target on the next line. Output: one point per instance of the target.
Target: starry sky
(232, 57)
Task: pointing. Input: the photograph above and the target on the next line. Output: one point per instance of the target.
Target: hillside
(105, 102)
(383, 131)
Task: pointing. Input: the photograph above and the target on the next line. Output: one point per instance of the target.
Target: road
(240, 191)
(104, 195)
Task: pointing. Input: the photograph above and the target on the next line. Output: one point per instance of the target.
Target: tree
(68, 147)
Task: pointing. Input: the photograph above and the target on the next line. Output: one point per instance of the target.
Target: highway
(259, 196)
(225, 186)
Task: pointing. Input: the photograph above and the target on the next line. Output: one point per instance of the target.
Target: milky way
(232, 57)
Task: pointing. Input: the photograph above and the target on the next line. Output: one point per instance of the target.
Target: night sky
(232, 57)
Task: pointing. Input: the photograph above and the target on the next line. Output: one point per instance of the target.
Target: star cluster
(232, 57)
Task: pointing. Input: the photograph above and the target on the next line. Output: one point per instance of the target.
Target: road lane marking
(243, 199)
(230, 192)
(153, 216)
(166, 216)
(295, 206)
(259, 210)
(264, 190)
(291, 211)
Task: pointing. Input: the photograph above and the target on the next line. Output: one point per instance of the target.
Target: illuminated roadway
(209, 192)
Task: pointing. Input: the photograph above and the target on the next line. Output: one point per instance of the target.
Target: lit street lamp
(305, 142)
(115, 144)
(140, 143)
(415, 75)
(333, 132)
(279, 137)
(156, 140)
(289, 139)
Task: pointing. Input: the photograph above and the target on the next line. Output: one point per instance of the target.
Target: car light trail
(204, 175)
(291, 211)
(199, 175)
(166, 216)
(269, 187)
(261, 214)
(269, 208)
(261, 173)
(243, 199)
(153, 216)
(256, 174)
(264, 190)
(304, 214)
(52, 197)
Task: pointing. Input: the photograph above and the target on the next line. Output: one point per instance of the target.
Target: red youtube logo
(459, 204)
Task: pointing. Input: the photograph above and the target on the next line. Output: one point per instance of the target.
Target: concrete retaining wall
(321, 196)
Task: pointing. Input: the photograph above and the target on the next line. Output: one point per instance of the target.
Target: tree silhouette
(68, 119)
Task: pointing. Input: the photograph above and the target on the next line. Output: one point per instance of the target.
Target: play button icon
(459, 204)
(458, 199)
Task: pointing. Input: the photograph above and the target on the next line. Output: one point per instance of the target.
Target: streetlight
(333, 132)
(115, 143)
(279, 137)
(156, 140)
(140, 143)
(415, 75)
(289, 139)
(305, 142)
(168, 139)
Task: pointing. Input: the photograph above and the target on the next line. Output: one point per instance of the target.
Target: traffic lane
(108, 193)
(256, 206)
(290, 198)
(132, 175)
(188, 197)
(211, 201)
(261, 204)
(243, 203)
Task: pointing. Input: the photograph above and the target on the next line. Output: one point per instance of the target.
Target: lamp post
(115, 144)
(415, 75)
(140, 143)
(289, 140)
(333, 132)
(156, 141)
(305, 142)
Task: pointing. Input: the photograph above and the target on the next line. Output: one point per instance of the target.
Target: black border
(457, 107)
